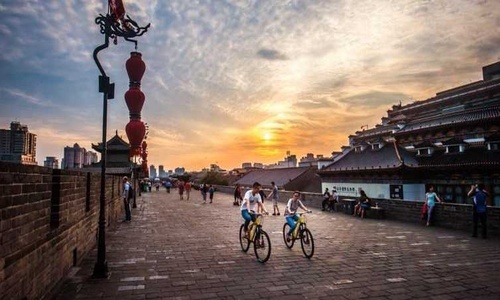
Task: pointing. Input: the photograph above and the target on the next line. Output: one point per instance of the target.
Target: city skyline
(238, 81)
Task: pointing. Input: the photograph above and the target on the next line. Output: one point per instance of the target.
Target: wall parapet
(48, 223)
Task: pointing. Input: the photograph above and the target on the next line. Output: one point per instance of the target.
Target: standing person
(187, 187)
(430, 198)
(211, 191)
(157, 186)
(168, 185)
(237, 194)
(250, 200)
(204, 190)
(326, 199)
(479, 208)
(127, 195)
(149, 186)
(180, 187)
(274, 196)
(291, 212)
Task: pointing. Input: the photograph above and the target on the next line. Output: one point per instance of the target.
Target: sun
(267, 136)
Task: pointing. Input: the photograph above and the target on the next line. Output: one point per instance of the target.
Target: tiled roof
(388, 157)
(457, 118)
(264, 176)
(471, 157)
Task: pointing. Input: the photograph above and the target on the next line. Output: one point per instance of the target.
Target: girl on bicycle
(291, 212)
(252, 198)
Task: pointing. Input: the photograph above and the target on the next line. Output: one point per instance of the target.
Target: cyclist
(291, 212)
(252, 198)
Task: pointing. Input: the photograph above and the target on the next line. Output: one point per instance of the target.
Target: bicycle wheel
(244, 242)
(307, 242)
(288, 244)
(262, 246)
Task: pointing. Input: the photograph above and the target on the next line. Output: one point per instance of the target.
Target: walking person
(127, 195)
(430, 198)
(237, 194)
(211, 191)
(168, 185)
(274, 197)
(479, 208)
(204, 190)
(187, 188)
(180, 187)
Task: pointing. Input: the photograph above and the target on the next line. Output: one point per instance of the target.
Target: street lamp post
(113, 25)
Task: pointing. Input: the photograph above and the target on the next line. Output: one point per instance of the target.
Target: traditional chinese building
(449, 141)
(117, 159)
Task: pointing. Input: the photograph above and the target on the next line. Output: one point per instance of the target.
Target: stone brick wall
(48, 223)
(448, 215)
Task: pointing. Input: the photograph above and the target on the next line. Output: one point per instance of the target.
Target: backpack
(480, 202)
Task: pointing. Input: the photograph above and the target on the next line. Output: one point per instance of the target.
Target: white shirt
(292, 206)
(252, 199)
(126, 187)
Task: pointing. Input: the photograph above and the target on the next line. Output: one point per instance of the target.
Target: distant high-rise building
(161, 172)
(18, 144)
(51, 162)
(258, 165)
(152, 172)
(76, 157)
(290, 161)
(179, 171)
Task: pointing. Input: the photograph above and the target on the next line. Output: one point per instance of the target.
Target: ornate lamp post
(112, 25)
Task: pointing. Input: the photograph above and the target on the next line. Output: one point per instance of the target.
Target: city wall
(449, 215)
(48, 223)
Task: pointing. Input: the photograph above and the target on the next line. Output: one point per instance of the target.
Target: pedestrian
(187, 187)
(263, 197)
(168, 185)
(334, 199)
(127, 195)
(274, 196)
(479, 211)
(211, 191)
(326, 199)
(204, 190)
(157, 186)
(430, 198)
(237, 195)
(149, 186)
(180, 187)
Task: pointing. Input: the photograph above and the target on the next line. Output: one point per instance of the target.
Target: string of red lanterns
(134, 97)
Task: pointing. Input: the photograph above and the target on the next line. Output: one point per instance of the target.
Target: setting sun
(267, 136)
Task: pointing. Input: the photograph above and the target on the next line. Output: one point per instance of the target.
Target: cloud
(270, 54)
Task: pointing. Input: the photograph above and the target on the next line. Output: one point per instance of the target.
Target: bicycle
(259, 238)
(300, 232)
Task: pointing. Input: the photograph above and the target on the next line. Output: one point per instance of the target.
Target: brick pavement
(176, 249)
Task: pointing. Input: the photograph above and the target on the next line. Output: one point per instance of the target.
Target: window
(453, 149)
(375, 146)
(494, 146)
(424, 151)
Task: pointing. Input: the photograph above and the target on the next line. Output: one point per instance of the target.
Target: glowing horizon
(229, 82)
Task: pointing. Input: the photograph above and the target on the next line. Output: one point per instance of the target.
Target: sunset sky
(228, 81)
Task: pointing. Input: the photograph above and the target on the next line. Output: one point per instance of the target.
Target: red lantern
(136, 130)
(134, 98)
(135, 68)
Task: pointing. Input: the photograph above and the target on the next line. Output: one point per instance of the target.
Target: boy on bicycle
(252, 198)
(291, 212)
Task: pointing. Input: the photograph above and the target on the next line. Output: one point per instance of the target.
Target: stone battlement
(48, 223)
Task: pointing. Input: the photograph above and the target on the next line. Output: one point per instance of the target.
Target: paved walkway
(176, 249)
